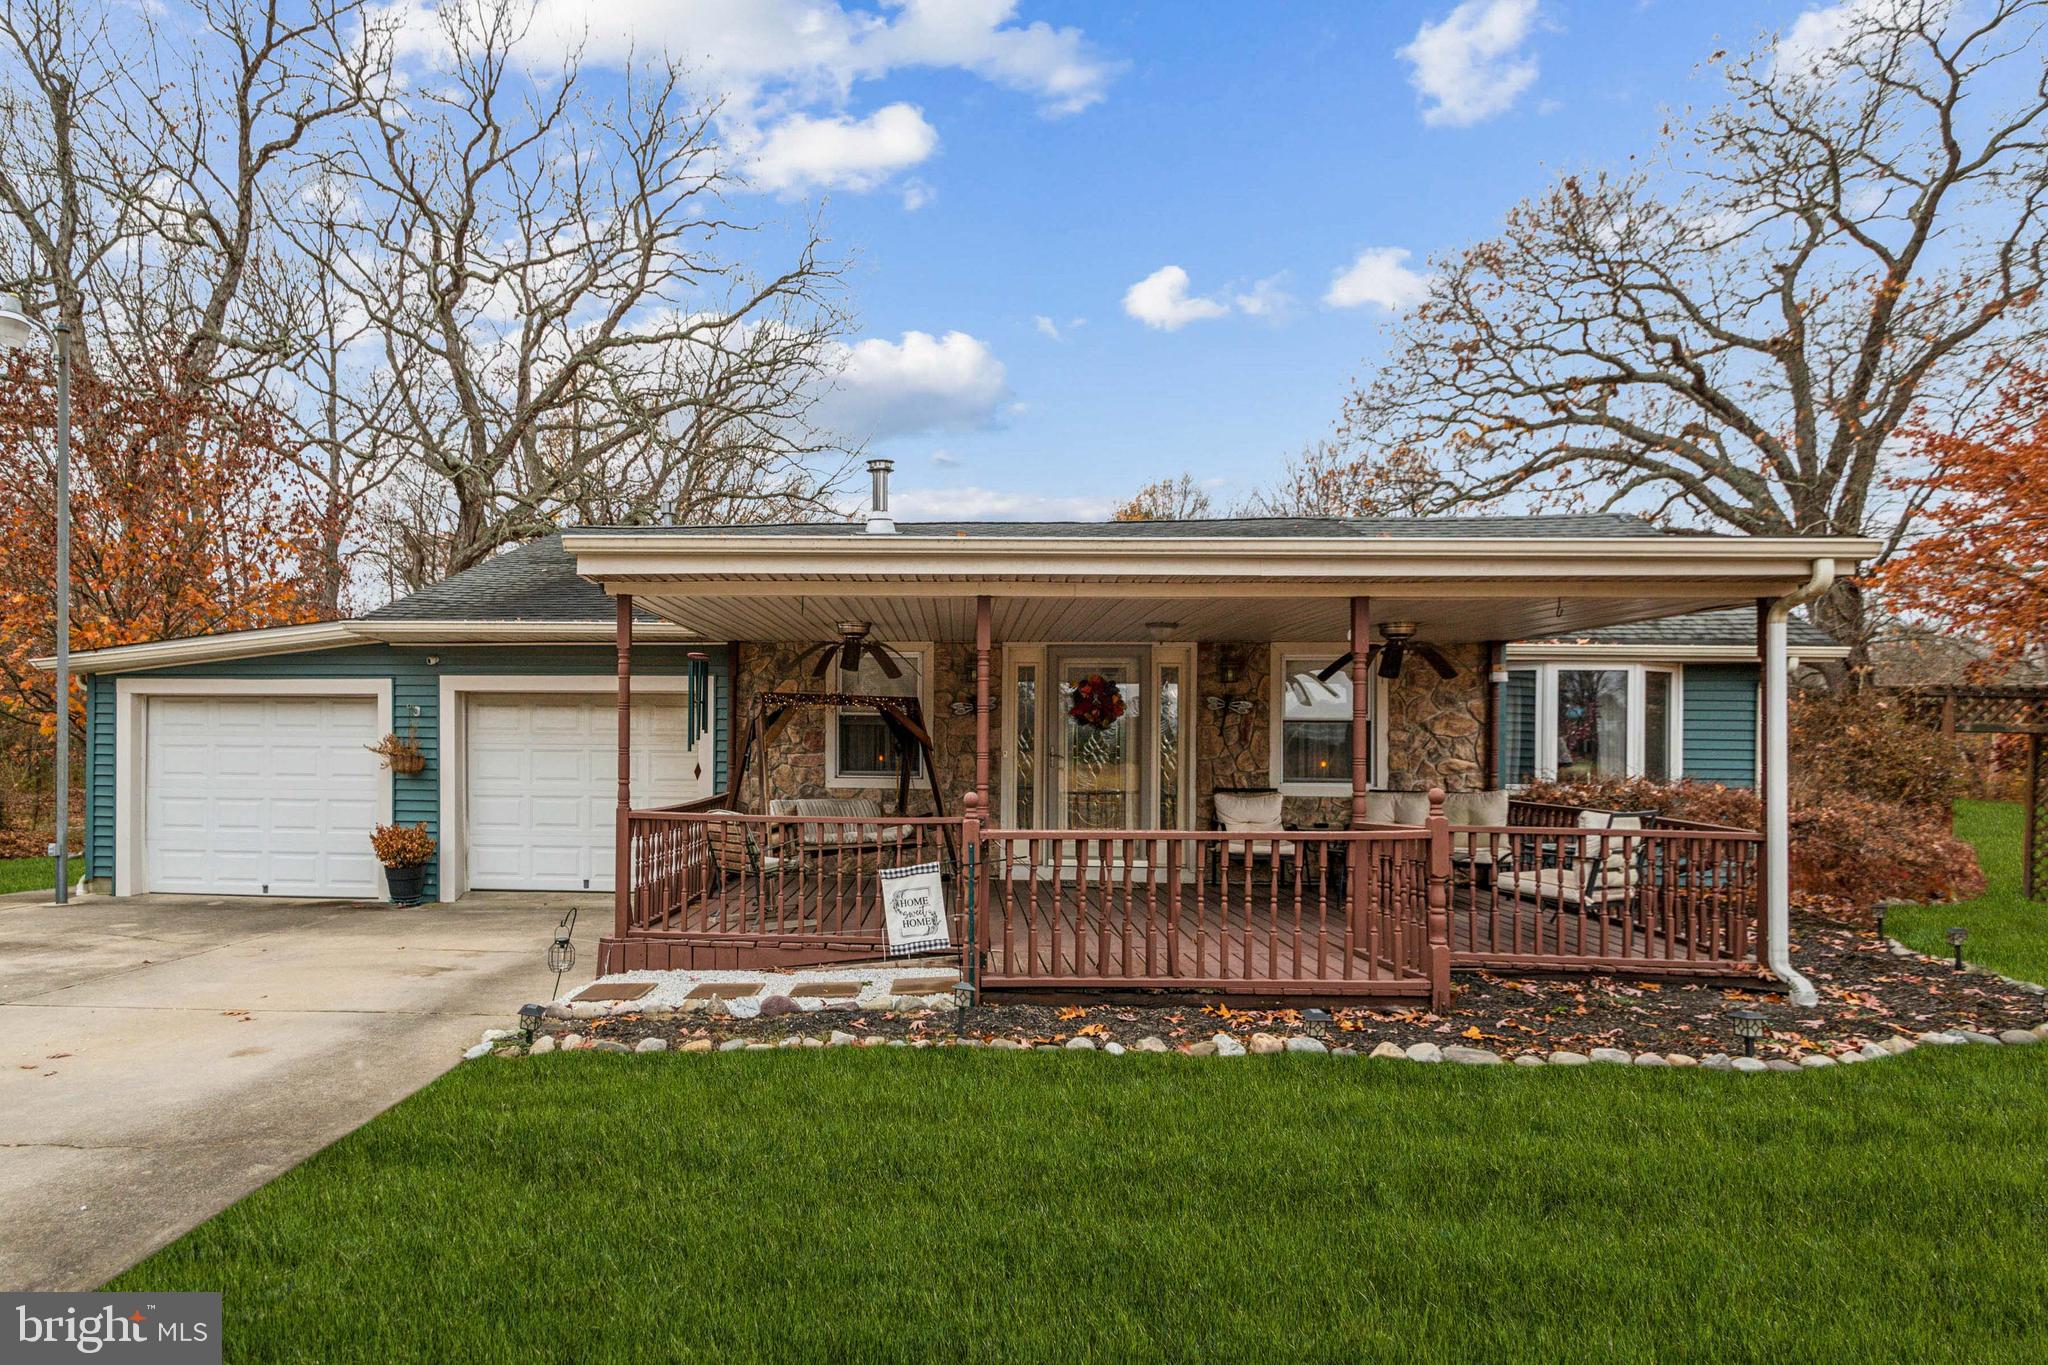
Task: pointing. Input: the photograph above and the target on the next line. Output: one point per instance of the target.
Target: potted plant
(400, 755)
(405, 851)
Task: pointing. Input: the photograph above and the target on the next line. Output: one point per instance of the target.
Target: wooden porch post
(622, 838)
(982, 616)
(1496, 705)
(1361, 769)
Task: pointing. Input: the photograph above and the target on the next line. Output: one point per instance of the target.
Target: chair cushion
(828, 807)
(1477, 808)
(1248, 810)
(1263, 848)
(1397, 808)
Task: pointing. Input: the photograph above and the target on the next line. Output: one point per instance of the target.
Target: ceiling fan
(1398, 641)
(853, 642)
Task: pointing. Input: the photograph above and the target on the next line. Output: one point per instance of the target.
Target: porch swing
(862, 839)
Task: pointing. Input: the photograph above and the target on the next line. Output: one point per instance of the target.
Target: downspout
(1778, 785)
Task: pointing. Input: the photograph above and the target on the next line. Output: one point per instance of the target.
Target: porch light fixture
(1957, 936)
(1161, 631)
(1749, 1026)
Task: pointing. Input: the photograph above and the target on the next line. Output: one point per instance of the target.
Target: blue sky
(1004, 173)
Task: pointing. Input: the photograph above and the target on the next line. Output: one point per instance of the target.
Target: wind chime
(697, 716)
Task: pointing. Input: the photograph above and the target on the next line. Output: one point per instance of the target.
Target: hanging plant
(1097, 704)
(400, 755)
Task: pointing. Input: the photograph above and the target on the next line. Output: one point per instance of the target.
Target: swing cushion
(838, 808)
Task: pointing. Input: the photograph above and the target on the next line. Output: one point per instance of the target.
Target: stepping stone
(725, 990)
(615, 990)
(926, 985)
(825, 990)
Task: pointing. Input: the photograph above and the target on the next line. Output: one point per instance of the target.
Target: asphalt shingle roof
(1726, 626)
(537, 581)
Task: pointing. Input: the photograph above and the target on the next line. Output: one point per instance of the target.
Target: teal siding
(1720, 723)
(415, 704)
(99, 777)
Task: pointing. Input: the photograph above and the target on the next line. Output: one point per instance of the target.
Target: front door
(1099, 725)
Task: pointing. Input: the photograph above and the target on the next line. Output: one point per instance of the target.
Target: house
(1486, 651)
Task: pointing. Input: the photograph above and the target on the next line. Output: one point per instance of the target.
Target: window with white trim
(1570, 721)
(859, 751)
(1312, 725)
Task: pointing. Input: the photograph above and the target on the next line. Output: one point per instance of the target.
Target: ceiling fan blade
(849, 656)
(1392, 658)
(806, 654)
(825, 653)
(881, 654)
(1434, 657)
(1342, 662)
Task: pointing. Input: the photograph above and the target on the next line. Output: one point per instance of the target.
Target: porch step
(824, 990)
(615, 990)
(926, 985)
(725, 990)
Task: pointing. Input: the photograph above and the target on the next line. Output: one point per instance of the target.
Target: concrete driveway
(161, 1056)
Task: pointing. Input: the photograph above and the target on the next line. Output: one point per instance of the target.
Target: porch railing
(1384, 910)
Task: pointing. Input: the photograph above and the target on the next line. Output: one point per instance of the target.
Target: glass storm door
(1099, 758)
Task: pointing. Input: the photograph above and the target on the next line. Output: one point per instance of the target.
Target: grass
(27, 874)
(895, 1205)
(2007, 934)
(960, 1205)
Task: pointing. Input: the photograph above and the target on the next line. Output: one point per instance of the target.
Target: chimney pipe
(880, 523)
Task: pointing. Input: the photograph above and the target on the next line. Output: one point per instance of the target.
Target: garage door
(541, 777)
(261, 796)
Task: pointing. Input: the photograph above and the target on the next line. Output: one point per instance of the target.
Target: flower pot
(408, 763)
(408, 884)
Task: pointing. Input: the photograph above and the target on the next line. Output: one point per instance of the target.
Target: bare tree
(1324, 479)
(1175, 499)
(560, 332)
(1732, 338)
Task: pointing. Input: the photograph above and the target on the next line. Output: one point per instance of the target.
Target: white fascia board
(1654, 653)
(248, 644)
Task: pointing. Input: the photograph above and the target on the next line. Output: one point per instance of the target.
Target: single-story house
(1336, 670)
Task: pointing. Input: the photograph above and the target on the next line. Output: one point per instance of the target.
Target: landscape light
(1749, 1026)
(1957, 934)
(529, 1021)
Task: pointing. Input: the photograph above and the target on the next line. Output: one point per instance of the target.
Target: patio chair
(1582, 872)
(1251, 811)
(1476, 854)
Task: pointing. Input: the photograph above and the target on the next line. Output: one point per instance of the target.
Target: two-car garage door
(261, 796)
(540, 784)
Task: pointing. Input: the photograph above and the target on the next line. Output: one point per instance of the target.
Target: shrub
(1847, 848)
(1867, 744)
(402, 845)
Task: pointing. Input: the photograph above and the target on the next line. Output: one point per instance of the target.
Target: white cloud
(916, 194)
(1268, 299)
(1162, 300)
(1046, 326)
(920, 383)
(1820, 38)
(812, 50)
(994, 504)
(1378, 275)
(803, 152)
(945, 459)
(1469, 66)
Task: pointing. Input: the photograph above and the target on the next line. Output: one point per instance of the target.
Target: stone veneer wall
(796, 760)
(1435, 729)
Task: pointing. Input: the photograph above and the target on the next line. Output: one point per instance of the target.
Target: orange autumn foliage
(1983, 570)
(186, 518)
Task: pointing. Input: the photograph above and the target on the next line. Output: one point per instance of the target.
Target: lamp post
(16, 328)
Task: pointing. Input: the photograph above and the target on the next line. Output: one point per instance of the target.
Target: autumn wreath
(1097, 704)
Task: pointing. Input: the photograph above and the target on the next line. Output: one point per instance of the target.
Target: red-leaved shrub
(1846, 847)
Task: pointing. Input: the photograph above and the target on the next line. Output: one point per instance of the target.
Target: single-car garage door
(261, 796)
(541, 785)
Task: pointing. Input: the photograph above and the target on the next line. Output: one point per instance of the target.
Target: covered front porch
(1270, 809)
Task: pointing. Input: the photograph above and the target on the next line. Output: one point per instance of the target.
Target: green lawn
(27, 874)
(967, 1205)
(2007, 934)
(944, 1205)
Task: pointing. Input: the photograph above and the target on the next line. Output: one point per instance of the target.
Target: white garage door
(261, 796)
(542, 780)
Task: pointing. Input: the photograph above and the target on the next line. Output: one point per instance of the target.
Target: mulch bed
(1867, 994)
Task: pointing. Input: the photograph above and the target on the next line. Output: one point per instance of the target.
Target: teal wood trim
(1720, 723)
(415, 673)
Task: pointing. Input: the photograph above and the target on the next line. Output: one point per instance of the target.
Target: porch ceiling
(907, 616)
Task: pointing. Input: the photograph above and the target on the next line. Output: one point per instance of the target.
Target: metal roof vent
(880, 523)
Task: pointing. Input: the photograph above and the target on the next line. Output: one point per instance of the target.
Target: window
(1024, 721)
(1563, 722)
(1592, 722)
(860, 748)
(1312, 748)
(1167, 733)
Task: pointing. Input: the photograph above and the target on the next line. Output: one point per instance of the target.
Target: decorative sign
(914, 910)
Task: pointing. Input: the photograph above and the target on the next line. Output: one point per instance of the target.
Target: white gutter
(1601, 650)
(249, 644)
(1778, 785)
